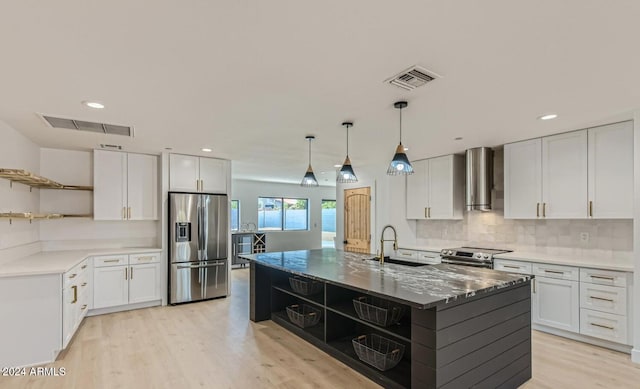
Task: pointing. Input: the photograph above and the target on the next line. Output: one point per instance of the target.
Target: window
(282, 214)
(235, 215)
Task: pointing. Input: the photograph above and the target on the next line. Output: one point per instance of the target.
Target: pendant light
(309, 178)
(346, 174)
(400, 164)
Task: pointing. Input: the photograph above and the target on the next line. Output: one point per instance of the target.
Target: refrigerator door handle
(205, 230)
(200, 266)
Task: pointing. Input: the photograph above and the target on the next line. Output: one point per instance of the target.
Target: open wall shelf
(36, 216)
(36, 181)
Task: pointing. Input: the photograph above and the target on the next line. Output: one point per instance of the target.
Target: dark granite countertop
(420, 287)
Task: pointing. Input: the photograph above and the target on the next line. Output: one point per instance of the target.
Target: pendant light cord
(309, 152)
(348, 140)
(400, 125)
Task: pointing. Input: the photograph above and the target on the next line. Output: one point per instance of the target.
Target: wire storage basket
(304, 286)
(304, 315)
(378, 351)
(378, 311)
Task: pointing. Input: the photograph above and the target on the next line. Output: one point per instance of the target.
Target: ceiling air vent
(81, 125)
(412, 78)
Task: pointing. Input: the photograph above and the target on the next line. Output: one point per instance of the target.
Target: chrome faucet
(382, 240)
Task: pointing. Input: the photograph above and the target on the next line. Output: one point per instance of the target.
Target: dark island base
(482, 342)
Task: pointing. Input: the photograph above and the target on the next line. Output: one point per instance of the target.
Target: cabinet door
(69, 313)
(440, 188)
(183, 173)
(213, 175)
(111, 286)
(417, 190)
(523, 179)
(564, 175)
(611, 171)
(109, 185)
(144, 283)
(556, 303)
(142, 186)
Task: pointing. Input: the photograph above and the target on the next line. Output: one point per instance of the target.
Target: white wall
(17, 152)
(249, 191)
(76, 168)
(635, 353)
(387, 206)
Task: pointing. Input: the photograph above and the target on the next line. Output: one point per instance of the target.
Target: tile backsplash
(491, 229)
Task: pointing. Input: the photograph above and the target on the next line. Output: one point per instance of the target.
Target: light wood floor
(214, 345)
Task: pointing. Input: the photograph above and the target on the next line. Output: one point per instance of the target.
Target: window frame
(283, 212)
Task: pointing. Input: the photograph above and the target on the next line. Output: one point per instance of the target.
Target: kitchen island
(462, 326)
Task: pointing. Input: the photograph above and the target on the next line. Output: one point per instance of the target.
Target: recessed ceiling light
(93, 104)
(548, 116)
(206, 150)
(457, 138)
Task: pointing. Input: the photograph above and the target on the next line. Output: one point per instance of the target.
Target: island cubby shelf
(481, 340)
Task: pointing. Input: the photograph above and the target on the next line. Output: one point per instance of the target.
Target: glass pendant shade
(400, 164)
(346, 174)
(309, 178)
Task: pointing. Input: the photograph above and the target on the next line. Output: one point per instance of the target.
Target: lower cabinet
(556, 303)
(76, 296)
(126, 279)
(590, 302)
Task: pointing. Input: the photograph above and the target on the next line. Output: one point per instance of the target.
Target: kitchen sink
(399, 262)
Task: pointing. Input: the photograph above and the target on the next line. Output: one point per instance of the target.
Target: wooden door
(564, 176)
(523, 179)
(357, 220)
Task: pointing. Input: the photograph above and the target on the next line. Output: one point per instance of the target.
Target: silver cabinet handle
(600, 298)
(602, 326)
(200, 266)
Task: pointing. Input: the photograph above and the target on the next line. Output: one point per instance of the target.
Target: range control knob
(486, 256)
(479, 255)
(450, 252)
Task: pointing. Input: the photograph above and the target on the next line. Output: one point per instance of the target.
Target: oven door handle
(464, 263)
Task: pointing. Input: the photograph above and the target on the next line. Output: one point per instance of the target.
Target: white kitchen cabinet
(417, 194)
(126, 279)
(564, 176)
(575, 175)
(555, 303)
(189, 173)
(125, 186)
(436, 189)
(523, 179)
(111, 286)
(611, 171)
(512, 266)
(75, 299)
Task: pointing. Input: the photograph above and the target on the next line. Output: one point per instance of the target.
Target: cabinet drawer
(78, 271)
(556, 271)
(603, 298)
(603, 325)
(429, 257)
(406, 254)
(603, 277)
(512, 266)
(137, 259)
(111, 260)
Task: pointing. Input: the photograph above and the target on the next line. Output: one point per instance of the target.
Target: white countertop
(620, 261)
(58, 262)
(420, 248)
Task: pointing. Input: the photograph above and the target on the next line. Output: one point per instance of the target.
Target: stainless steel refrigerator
(198, 244)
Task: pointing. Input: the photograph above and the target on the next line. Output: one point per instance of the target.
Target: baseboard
(623, 348)
(635, 355)
(121, 308)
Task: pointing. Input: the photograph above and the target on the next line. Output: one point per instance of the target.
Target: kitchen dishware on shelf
(304, 286)
(304, 316)
(378, 311)
(378, 351)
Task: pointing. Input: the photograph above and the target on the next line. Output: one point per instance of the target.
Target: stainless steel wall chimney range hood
(479, 178)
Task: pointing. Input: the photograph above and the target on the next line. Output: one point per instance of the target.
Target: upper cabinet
(189, 173)
(611, 171)
(436, 189)
(575, 175)
(125, 186)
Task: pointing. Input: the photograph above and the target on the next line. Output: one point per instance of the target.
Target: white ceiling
(251, 78)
